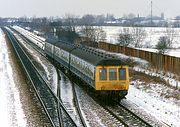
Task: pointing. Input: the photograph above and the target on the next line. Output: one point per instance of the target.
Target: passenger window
(122, 74)
(112, 74)
(103, 74)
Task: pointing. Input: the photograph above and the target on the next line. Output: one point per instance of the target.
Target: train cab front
(112, 79)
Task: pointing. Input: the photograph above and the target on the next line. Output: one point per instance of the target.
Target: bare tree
(139, 34)
(87, 31)
(67, 32)
(125, 37)
(162, 44)
(70, 22)
(100, 34)
(170, 34)
(93, 33)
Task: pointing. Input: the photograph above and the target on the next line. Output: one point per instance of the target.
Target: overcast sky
(17, 8)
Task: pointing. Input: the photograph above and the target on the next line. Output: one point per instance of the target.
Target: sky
(47, 8)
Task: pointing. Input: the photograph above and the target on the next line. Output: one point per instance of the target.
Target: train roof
(94, 58)
(88, 55)
(110, 62)
(67, 47)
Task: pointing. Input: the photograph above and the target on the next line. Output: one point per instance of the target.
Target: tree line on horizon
(90, 30)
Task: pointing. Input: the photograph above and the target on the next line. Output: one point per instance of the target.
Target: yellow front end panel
(111, 84)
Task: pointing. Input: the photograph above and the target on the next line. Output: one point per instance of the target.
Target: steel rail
(10, 36)
(134, 115)
(61, 107)
(78, 106)
(12, 40)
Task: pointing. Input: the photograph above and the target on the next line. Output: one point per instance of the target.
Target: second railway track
(122, 114)
(60, 111)
(46, 97)
(75, 100)
(125, 116)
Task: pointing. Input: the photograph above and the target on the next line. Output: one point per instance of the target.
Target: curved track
(78, 106)
(58, 88)
(122, 114)
(46, 97)
(75, 101)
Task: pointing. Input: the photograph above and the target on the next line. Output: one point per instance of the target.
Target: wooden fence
(162, 62)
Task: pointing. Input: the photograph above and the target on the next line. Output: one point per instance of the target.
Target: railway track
(78, 106)
(122, 114)
(37, 48)
(80, 117)
(117, 118)
(83, 123)
(58, 95)
(127, 116)
(47, 98)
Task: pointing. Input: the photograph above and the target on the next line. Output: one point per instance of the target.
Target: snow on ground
(154, 99)
(66, 91)
(174, 52)
(168, 77)
(166, 110)
(170, 52)
(94, 114)
(152, 34)
(151, 39)
(48, 71)
(163, 109)
(11, 112)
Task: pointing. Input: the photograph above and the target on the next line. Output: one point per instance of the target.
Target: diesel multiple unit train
(105, 75)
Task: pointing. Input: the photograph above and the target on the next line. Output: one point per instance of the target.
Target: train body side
(83, 69)
(100, 74)
(49, 49)
(90, 67)
(62, 54)
(67, 57)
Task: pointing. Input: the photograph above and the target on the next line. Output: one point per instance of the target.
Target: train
(104, 74)
(37, 40)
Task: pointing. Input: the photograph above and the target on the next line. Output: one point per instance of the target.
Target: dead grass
(149, 82)
(146, 78)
